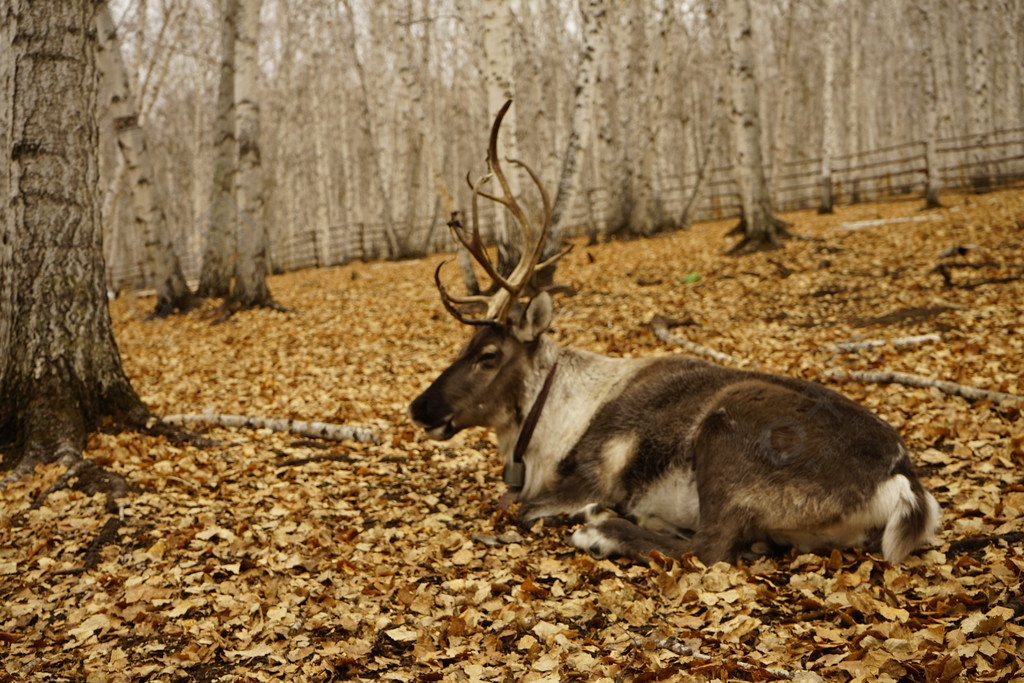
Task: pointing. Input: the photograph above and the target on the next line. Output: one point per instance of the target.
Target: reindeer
(670, 454)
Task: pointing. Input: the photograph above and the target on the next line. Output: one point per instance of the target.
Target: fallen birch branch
(860, 225)
(660, 326)
(905, 378)
(316, 430)
(898, 342)
(661, 331)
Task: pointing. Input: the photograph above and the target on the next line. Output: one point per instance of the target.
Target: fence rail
(972, 163)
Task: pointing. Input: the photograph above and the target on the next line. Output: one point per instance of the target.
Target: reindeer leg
(606, 534)
(564, 507)
(722, 532)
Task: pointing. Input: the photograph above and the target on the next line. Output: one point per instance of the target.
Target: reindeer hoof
(590, 540)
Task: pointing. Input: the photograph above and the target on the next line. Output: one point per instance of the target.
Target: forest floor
(256, 555)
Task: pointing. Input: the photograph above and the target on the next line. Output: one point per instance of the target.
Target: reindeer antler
(511, 287)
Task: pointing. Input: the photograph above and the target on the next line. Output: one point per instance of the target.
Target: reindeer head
(484, 384)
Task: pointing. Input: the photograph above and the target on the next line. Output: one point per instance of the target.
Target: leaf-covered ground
(262, 556)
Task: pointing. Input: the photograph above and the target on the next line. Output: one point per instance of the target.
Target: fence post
(933, 183)
(827, 196)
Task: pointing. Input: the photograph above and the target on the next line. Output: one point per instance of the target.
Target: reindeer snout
(433, 416)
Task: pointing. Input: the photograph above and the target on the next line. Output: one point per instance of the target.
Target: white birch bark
(218, 253)
(760, 227)
(412, 74)
(827, 107)
(957, 17)
(645, 213)
(614, 132)
(854, 96)
(151, 222)
(499, 64)
(928, 56)
(60, 371)
(165, 49)
(780, 134)
(325, 180)
(250, 285)
(593, 14)
(119, 247)
(1011, 105)
(370, 130)
(978, 101)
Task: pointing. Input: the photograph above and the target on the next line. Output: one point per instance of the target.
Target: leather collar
(514, 473)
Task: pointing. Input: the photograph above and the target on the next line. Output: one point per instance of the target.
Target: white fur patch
(895, 544)
(616, 454)
(590, 540)
(583, 383)
(669, 504)
(894, 499)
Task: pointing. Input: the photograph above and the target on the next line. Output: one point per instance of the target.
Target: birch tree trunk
(978, 100)
(646, 215)
(828, 134)
(701, 142)
(218, 254)
(854, 95)
(250, 285)
(761, 229)
(612, 159)
(60, 370)
(412, 74)
(370, 130)
(781, 137)
(499, 63)
(325, 181)
(593, 14)
(1012, 104)
(172, 292)
(931, 95)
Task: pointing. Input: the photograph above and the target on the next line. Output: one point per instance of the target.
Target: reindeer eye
(489, 358)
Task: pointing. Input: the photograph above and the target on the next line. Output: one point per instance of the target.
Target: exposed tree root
(756, 243)
(946, 271)
(165, 308)
(966, 545)
(228, 309)
(54, 432)
(90, 479)
(768, 239)
(83, 475)
(106, 536)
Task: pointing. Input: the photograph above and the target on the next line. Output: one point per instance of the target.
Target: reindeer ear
(535, 319)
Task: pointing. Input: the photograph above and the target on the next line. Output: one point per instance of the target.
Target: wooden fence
(969, 163)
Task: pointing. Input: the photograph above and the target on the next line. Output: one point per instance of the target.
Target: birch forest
(247, 492)
(368, 113)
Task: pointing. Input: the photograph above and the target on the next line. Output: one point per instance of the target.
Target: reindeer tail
(913, 520)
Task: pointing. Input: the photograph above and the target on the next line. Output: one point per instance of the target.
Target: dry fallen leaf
(258, 555)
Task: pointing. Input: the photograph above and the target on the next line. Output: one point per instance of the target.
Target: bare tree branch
(317, 430)
(660, 326)
(905, 378)
(898, 342)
